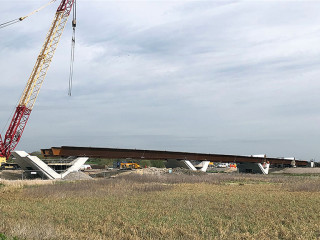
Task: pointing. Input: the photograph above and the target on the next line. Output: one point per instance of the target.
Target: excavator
(10, 140)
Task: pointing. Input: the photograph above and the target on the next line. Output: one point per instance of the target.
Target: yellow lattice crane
(31, 91)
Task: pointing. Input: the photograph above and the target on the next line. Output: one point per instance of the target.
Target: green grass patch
(4, 237)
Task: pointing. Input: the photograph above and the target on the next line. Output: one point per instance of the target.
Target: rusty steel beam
(46, 152)
(115, 153)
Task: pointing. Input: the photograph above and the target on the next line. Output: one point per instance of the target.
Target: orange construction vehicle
(129, 165)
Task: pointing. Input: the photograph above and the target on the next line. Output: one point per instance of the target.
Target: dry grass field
(210, 206)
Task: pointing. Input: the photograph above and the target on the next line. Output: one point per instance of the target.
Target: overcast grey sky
(230, 77)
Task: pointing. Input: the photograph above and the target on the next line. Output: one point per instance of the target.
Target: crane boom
(31, 91)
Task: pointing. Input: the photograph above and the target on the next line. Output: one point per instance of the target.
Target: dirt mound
(152, 171)
(77, 176)
(181, 171)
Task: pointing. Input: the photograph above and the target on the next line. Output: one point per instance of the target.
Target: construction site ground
(297, 171)
(106, 173)
(155, 204)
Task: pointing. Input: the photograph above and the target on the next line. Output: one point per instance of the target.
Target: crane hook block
(74, 23)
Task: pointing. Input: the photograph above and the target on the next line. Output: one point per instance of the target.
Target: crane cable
(73, 43)
(6, 24)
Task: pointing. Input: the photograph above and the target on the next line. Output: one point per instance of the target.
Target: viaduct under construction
(116, 153)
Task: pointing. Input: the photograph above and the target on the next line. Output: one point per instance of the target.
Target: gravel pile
(77, 176)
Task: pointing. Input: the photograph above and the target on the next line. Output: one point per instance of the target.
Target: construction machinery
(129, 165)
(9, 166)
(2, 161)
(38, 74)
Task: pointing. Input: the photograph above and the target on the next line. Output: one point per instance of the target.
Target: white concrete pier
(29, 163)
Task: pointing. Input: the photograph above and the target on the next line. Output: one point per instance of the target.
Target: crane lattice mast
(31, 91)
